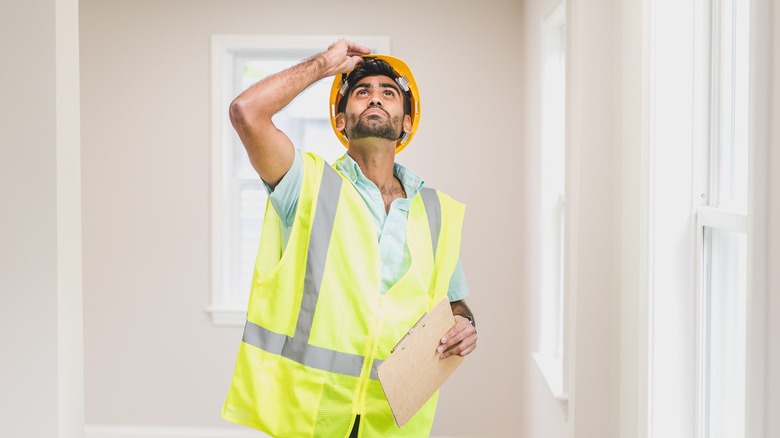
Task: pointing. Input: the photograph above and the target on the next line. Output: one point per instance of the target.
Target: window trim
(676, 122)
(757, 224)
(553, 362)
(723, 220)
(223, 51)
(753, 223)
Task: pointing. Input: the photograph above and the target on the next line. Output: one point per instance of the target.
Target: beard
(372, 126)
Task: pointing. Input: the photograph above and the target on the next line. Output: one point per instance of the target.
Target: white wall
(594, 39)
(632, 221)
(40, 234)
(542, 414)
(594, 49)
(28, 254)
(152, 356)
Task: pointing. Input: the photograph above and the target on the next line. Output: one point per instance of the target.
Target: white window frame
(718, 214)
(674, 396)
(551, 357)
(224, 49)
(672, 120)
(758, 146)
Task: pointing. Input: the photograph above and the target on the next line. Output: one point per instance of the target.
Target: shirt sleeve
(459, 288)
(284, 197)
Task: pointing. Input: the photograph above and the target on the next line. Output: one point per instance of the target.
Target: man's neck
(376, 161)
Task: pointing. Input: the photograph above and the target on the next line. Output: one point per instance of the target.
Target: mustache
(375, 107)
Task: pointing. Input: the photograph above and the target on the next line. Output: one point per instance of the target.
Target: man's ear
(340, 122)
(408, 124)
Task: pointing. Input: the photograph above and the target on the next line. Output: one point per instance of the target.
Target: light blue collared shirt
(390, 225)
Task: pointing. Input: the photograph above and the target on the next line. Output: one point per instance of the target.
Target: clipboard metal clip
(409, 332)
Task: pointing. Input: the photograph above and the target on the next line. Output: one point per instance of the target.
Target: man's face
(374, 109)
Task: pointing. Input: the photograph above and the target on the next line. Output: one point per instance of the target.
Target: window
(550, 356)
(698, 208)
(238, 198)
(722, 226)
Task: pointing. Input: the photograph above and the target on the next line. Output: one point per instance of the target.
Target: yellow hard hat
(403, 78)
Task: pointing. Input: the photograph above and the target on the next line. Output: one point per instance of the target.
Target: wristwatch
(469, 317)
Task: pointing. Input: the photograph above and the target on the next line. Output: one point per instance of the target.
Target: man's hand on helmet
(341, 57)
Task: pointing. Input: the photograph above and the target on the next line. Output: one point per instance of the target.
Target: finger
(468, 334)
(357, 48)
(457, 329)
(350, 48)
(462, 348)
(454, 337)
(338, 43)
(356, 60)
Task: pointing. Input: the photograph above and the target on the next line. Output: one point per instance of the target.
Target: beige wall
(41, 366)
(152, 356)
(593, 189)
(28, 227)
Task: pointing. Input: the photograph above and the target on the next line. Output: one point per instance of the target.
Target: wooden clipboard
(413, 371)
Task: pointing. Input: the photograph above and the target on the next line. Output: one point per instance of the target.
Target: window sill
(227, 317)
(552, 369)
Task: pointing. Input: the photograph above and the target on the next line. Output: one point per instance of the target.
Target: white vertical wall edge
(70, 317)
(635, 239)
(574, 86)
(758, 148)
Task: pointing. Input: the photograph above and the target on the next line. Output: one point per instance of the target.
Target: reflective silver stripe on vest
(319, 239)
(309, 355)
(298, 348)
(433, 211)
(374, 368)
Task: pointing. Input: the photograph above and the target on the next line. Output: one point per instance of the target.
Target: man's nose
(375, 100)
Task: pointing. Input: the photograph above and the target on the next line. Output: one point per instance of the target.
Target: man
(350, 256)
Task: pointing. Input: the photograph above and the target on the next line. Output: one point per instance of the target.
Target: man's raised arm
(270, 151)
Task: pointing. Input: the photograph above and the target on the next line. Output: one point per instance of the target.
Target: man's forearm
(272, 94)
(270, 151)
(461, 309)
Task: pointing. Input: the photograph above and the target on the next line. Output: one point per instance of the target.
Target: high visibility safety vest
(317, 327)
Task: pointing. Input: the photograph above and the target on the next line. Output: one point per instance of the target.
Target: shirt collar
(350, 168)
(411, 181)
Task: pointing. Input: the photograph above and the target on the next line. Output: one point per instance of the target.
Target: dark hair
(373, 67)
